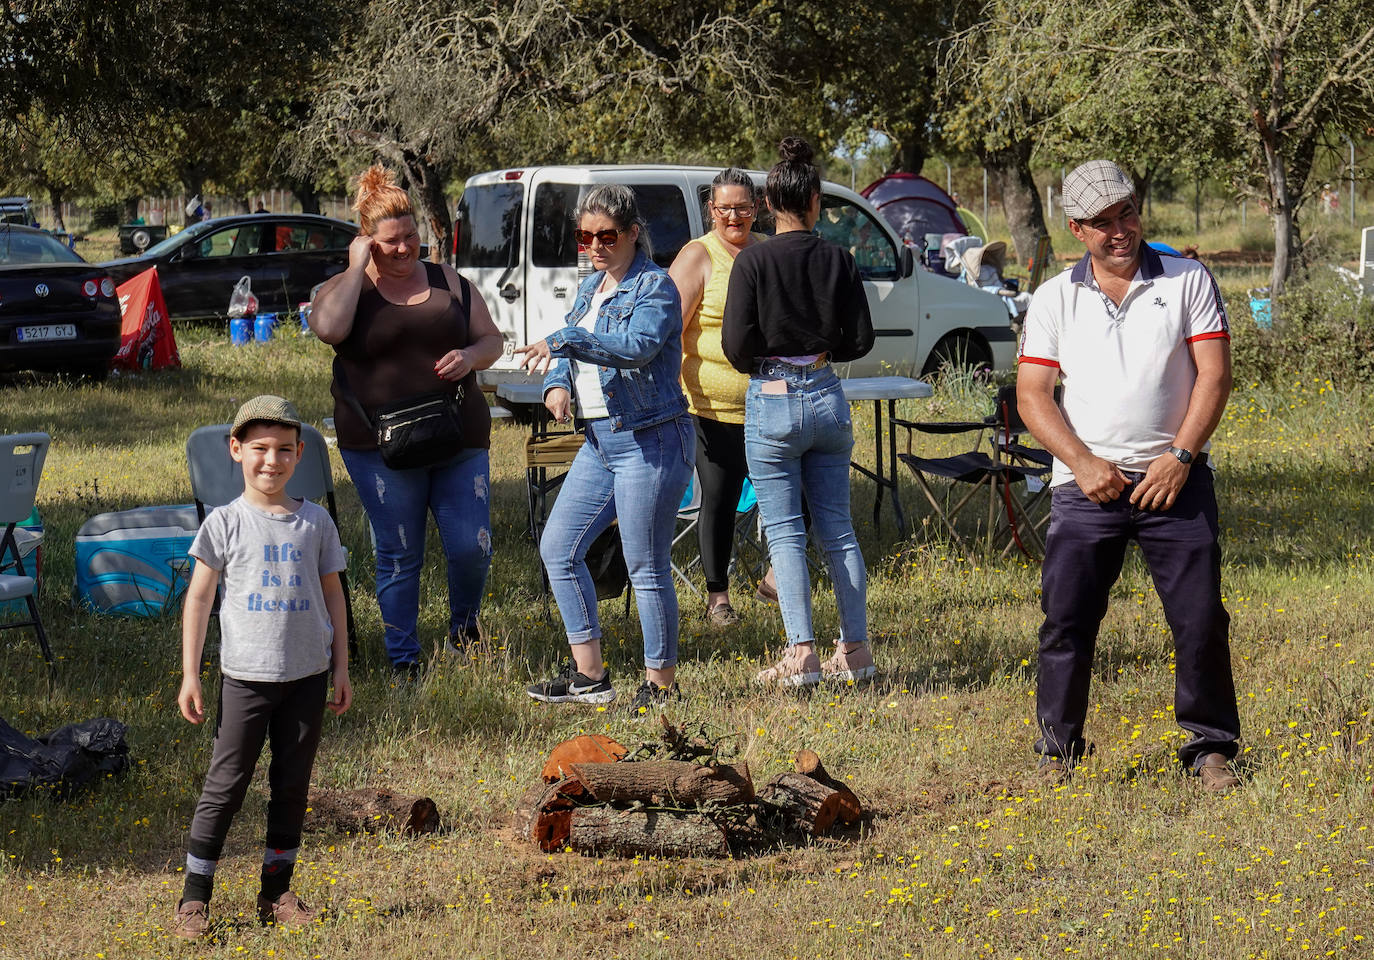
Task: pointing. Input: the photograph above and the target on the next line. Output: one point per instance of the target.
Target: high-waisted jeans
(457, 492)
(801, 441)
(638, 477)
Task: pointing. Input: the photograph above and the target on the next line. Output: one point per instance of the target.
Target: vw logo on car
(41, 290)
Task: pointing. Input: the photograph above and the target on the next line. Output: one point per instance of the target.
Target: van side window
(848, 226)
(552, 243)
(489, 225)
(666, 213)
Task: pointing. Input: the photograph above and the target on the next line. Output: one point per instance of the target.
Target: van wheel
(959, 351)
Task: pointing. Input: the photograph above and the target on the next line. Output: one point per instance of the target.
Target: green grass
(966, 854)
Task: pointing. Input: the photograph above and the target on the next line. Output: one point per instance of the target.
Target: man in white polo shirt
(1140, 343)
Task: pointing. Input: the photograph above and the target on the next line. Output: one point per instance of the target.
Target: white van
(514, 240)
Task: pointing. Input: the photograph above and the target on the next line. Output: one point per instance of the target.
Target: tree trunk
(1009, 169)
(370, 811)
(305, 193)
(427, 183)
(666, 782)
(808, 763)
(1285, 228)
(637, 833)
(810, 806)
(56, 197)
(911, 156)
(585, 749)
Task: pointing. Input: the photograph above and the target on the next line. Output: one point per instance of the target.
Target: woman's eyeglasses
(744, 211)
(608, 238)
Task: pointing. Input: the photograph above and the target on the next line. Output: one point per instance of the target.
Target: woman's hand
(538, 359)
(453, 365)
(360, 252)
(558, 402)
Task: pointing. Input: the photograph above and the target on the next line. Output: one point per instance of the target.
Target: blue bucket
(263, 327)
(240, 330)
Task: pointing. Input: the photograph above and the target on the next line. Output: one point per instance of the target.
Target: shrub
(1321, 326)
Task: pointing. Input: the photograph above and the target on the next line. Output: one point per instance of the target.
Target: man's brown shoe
(192, 920)
(285, 911)
(1215, 773)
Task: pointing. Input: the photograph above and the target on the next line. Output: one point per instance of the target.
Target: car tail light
(107, 287)
(90, 288)
(514, 174)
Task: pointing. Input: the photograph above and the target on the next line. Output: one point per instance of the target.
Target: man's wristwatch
(1183, 455)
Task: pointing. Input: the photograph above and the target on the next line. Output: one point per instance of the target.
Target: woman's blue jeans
(638, 477)
(795, 441)
(457, 492)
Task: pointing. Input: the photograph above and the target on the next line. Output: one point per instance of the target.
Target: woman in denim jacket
(617, 364)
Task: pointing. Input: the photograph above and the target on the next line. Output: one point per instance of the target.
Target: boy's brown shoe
(192, 920)
(285, 911)
(1215, 773)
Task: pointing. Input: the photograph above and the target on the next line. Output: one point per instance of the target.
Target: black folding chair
(216, 480)
(1010, 519)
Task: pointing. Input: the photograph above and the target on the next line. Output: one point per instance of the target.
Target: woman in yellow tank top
(715, 390)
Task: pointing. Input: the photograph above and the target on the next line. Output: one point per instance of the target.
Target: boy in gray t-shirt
(283, 626)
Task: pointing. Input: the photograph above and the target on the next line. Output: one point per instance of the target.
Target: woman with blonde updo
(401, 329)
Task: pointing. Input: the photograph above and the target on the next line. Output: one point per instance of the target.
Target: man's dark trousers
(1083, 555)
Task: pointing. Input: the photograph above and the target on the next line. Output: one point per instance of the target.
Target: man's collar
(1151, 266)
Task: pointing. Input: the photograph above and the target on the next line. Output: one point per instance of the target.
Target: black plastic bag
(65, 760)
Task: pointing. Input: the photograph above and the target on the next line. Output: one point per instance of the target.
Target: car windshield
(24, 247)
(177, 239)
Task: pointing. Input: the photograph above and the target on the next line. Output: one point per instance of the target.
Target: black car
(283, 255)
(57, 312)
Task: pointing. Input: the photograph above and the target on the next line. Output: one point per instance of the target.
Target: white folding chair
(216, 480)
(21, 466)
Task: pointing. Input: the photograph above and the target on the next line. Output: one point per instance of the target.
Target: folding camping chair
(216, 480)
(21, 466)
(1010, 521)
(746, 539)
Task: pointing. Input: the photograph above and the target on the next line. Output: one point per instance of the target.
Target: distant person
(715, 390)
(1142, 348)
(795, 304)
(407, 332)
(615, 364)
(261, 209)
(283, 630)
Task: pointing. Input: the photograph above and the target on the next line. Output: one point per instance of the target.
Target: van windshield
(661, 205)
(489, 225)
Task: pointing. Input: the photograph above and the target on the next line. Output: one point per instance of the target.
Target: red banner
(146, 340)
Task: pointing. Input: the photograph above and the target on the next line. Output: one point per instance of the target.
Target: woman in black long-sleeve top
(795, 304)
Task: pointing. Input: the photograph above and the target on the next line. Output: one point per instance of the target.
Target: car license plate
(47, 331)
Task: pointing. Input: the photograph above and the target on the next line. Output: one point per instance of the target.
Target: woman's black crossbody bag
(418, 431)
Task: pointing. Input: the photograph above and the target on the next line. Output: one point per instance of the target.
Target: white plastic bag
(242, 303)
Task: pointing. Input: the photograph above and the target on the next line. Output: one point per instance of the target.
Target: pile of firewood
(674, 799)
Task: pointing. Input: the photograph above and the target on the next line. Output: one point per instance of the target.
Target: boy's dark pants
(1083, 556)
(289, 717)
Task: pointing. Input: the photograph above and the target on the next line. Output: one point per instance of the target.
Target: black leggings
(721, 471)
(289, 717)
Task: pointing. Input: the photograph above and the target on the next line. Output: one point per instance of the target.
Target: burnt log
(666, 782)
(810, 807)
(371, 811)
(638, 833)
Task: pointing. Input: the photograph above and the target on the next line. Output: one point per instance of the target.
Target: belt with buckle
(811, 367)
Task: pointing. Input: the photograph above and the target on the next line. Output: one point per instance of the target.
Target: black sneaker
(407, 672)
(569, 686)
(650, 696)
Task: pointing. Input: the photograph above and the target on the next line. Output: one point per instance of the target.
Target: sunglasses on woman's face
(608, 238)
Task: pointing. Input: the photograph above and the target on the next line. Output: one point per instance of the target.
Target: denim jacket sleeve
(559, 375)
(655, 317)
